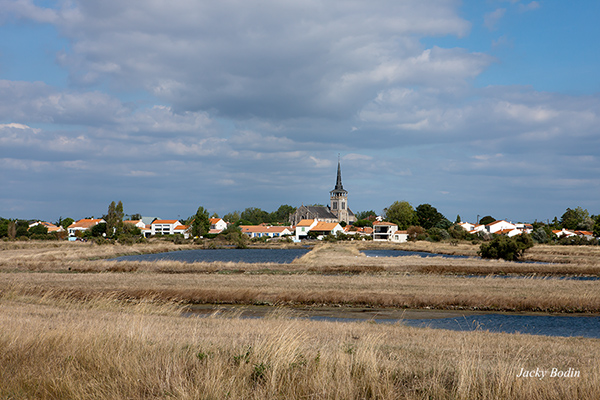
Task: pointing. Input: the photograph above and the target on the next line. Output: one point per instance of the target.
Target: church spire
(338, 183)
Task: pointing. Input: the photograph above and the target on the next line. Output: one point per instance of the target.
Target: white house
(564, 232)
(51, 227)
(500, 225)
(183, 230)
(326, 228)
(217, 225)
(254, 231)
(304, 227)
(383, 231)
(165, 227)
(136, 222)
(83, 225)
(399, 237)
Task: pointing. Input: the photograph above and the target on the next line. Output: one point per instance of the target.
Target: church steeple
(339, 198)
(338, 183)
(339, 188)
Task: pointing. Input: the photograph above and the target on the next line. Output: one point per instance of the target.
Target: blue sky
(488, 107)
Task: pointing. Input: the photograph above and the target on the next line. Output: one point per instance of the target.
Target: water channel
(535, 324)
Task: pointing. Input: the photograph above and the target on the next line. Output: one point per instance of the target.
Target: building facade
(337, 211)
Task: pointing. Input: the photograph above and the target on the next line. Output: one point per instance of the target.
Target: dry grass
(380, 290)
(58, 351)
(324, 259)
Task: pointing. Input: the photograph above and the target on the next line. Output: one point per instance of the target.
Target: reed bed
(62, 351)
(324, 259)
(379, 290)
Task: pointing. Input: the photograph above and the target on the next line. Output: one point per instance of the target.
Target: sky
(477, 107)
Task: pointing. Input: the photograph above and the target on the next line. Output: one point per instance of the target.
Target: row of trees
(433, 224)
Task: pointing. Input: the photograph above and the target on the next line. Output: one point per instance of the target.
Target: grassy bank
(66, 349)
(376, 290)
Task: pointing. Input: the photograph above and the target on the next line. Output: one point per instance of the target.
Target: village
(335, 220)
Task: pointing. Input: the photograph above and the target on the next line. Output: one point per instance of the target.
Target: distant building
(84, 225)
(383, 231)
(254, 231)
(337, 211)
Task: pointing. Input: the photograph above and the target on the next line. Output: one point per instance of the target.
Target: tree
(233, 234)
(65, 223)
(488, 219)
(401, 213)
(200, 223)
(135, 217)
(282, 215)
(22, 227)
(365, 215)
(458, 220)
(576, 218)
(597, 225)
(119, 214)
(38, 229)
(510, 249)
(232, 218)
(12, 230)
(428, 216)
(362, 223)
(254, 215)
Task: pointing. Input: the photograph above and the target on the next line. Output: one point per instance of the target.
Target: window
(335, 205)
(343, 205)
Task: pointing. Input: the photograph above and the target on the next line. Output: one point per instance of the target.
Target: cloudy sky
(477, 107)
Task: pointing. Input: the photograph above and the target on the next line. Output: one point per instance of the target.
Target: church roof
(321, 212)
(339, 188)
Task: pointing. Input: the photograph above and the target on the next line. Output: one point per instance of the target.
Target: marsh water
(280, 256)
(533, 324)
(549, 325)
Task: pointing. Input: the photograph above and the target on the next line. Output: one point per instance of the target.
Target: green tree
(597, 225)
(458, 220)
(65, 223)
(135, 217)
(361, 223)
(401, 213)
(232, 218)
(11, 231)
(510, 249)
(38, 229)
(119, 214)
(4, 227)
(22, 227)
(576, 218)
(98, 230)
(233, 234)
(200, 223)
(282, 215)
(254, 215)
(428, 216)
(488, 219)
(365, 215)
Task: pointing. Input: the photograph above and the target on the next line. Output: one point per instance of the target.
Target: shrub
(416, 233)
(510, 249)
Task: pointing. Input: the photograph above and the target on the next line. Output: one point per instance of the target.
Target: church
(336, 211)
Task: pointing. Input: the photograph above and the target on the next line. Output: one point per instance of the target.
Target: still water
(548, 325)
(280, 256)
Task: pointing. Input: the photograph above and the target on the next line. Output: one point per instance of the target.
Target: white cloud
(490, 20)
(534, 5)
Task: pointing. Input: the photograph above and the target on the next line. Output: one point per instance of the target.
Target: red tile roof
(86, 223)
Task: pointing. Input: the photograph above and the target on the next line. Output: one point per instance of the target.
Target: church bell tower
(339, 198)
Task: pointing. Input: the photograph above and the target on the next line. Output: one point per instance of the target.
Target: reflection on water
(280, 256)
(549, 325)
(401, 253)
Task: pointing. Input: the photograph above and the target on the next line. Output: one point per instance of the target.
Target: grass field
(74, 325)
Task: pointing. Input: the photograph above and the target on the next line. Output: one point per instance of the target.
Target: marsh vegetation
(75, 325)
